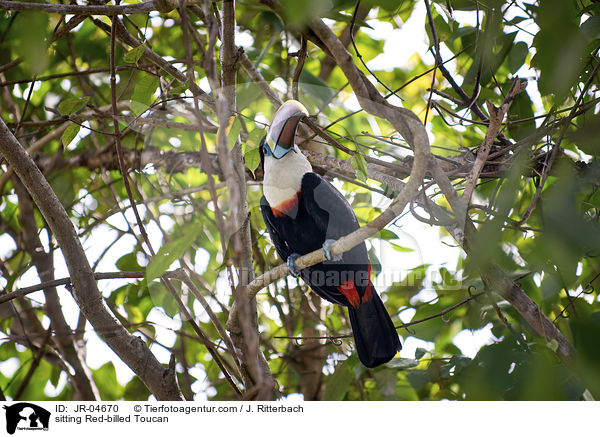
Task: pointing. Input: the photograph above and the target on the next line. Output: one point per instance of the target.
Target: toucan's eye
(264, 150)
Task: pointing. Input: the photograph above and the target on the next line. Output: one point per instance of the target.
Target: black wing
(332, 214)
(280, 243)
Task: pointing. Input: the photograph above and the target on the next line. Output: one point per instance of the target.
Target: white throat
(283, 177)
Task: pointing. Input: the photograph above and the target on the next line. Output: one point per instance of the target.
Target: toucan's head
(283, 171)
(281, 136)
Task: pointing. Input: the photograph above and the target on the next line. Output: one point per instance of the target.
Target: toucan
(303, 212)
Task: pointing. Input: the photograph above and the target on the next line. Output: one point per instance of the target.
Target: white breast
(283, 177)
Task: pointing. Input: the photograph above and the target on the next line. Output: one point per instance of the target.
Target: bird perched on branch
(304, 212)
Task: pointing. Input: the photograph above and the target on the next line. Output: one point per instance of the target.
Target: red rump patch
(286, 206)
(348, 289)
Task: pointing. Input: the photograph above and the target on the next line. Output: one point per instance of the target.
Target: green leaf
(516, 20)
(28, 39)
(252, 158)
(69, 134)
(55, 376)
(462, 31)
(128, 262)
(135, 390)
(442, 27)
(315, 87)
(521, 109)
(360, 165)
(388, 5)
(386, 381)
(338, 384)
(63, 186)
(560, 47)
(492, 52)
(550, 286)
(134, 314)
(337, 16)
(399, 248)
(517, 56)
(180, 89)
(418, 378)
(586, 135)
(106, 380)
(134, 55)
(233, 131)
(297, 13)
(419, 353)
(72, 105)
(591, 28)
(386, 234)
(171, 251)
(137, 108)
(143, 94)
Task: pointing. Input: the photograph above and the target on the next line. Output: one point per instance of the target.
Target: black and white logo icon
(26, 416)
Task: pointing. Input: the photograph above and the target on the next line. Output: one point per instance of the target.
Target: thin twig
(110, 10)
(496, 117)
(7, 296)
(301, 54)
(401, 326)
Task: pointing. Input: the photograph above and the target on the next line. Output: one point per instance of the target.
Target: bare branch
(80, 375)
(140, 8)
(5, 297)
(129, 348)
(496, 117)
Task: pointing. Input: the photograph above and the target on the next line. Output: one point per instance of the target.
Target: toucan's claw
(327, 251)
(291, 262)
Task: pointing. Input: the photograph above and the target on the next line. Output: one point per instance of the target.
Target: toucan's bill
(280, 138)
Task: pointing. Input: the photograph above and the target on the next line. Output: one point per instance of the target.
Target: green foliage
(109, 387)
(29, 31)
(339, 382)
(559, 54)
(297, 14)
(360, 165)
(69, 134)
(134, 55)
(536, 211)
(251, 151)
(509, 370)
(143, 94)
(72, 105)
(522, 112)
(172, 251)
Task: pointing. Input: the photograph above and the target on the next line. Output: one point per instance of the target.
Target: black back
(322, 213)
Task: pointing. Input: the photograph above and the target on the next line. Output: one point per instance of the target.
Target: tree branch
(79, 374)
(496, 117)
(243, 319)
(123, 34)
(5, 297)
(132, 350)
(140, 8)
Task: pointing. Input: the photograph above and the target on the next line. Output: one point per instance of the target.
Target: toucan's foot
(291, 262)
(327, 251)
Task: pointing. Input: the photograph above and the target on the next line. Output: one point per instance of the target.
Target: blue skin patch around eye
(277, 152)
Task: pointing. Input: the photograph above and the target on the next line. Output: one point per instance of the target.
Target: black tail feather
(374, 334)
